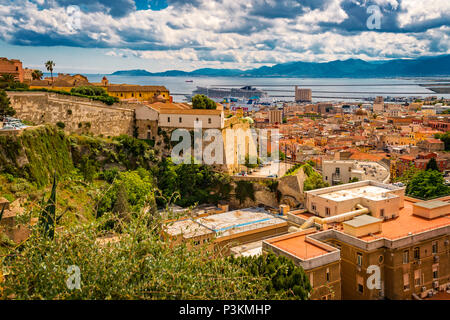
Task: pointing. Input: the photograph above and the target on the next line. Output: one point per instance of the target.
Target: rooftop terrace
(369, 191)
(298, 246)
(408, 224)
(237, 221)
(225, 224)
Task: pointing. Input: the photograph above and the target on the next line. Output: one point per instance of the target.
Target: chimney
(223, 207)
(284, 209)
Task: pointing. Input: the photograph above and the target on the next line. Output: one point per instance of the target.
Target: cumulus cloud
(232, 32)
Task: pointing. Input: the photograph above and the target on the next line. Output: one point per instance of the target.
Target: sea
(282, 89)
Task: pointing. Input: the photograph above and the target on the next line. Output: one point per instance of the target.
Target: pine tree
(47, 218)
(121, 206)
(5, 105)
(432, 165)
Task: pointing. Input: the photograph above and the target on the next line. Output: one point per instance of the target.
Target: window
(417, 253)
(168, 119)
(140, 94)
(406, 281)
(435, 247)
(313, 206)
(327, 211)
(417, 277)
(180, 119)
(360, 284)
(338, 170)
(209, 120)
(381, 212)
(196, 119)
(328, 275)
(435, 272)
(132, 94)
(405, 256)
(359, 259)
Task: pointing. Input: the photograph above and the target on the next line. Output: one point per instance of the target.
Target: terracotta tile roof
(368, 156)
(434, 141)
(181, 108)
(407, 158)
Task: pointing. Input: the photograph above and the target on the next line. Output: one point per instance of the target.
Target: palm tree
(37, 74)
(49, 65)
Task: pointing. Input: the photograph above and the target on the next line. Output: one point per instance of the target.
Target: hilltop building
(62, 82)
(149, 117)
(13, 67)
(139, 93)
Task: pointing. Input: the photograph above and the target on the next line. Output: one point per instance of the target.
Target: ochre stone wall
(80, 115)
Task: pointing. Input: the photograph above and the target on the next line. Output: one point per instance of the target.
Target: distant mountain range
(352, 68)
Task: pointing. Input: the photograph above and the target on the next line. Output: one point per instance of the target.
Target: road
(273, 168)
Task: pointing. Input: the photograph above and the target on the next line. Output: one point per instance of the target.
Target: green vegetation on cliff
(31, 158)
(36, 154)
(5, 105)
(107, 189)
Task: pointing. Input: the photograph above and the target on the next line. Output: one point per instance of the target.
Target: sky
(102, 36)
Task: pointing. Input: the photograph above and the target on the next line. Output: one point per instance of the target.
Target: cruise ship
(243, 93)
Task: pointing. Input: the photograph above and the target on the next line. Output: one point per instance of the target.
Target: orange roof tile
(406, 222)
(299, 246)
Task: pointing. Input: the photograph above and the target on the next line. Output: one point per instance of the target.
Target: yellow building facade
(140, 93)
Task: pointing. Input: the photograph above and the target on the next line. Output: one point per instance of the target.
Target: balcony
(336, 179)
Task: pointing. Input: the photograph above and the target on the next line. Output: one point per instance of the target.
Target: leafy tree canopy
(200, 101)
(427, 184)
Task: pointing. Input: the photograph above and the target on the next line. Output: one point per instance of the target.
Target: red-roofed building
(431, 145)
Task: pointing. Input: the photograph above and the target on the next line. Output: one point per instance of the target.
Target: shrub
(244, 190)
(140, 265)
(60, 124)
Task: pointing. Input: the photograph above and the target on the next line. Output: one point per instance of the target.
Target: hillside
(351, 68)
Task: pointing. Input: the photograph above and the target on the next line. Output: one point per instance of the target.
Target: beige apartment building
(381, 200)
(320, 261)
(275, 116)
(303, 95)
(378, 230)
(336, 172)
